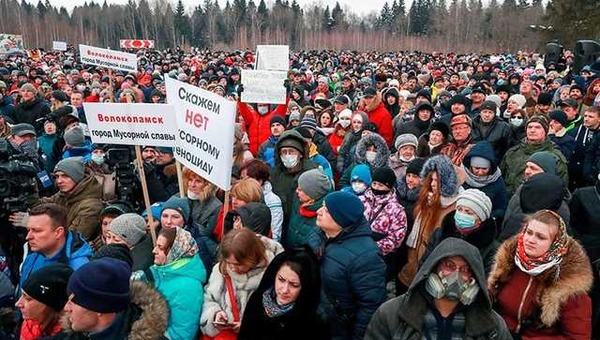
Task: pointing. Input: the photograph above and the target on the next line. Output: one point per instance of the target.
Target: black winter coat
(32, 113)
(497, 132)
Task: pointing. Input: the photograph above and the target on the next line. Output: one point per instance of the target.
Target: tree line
(428, 25)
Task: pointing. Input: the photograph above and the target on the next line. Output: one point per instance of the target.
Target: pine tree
(327, 19)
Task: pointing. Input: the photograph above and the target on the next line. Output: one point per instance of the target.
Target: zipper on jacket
(522, 303)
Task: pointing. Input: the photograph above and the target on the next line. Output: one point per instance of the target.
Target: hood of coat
(448, 178)
(287, 136)
(383, 152)
(482, 149)
(255, 216)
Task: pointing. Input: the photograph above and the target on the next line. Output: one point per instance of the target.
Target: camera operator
(162, 176)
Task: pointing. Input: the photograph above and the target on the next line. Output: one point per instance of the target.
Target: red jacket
(381, 117)
(258, 126)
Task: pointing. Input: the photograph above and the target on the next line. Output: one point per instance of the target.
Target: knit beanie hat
(48, 285)
(361, 172)
(480, 162)
(542, 191)
(72, 167)
(309, 123)
(314, 183)
(75, 137)
(545, 160)
(539, 119)
(519, 99)
(28, 87)
(181, 205)
(406, 139)
(155, 209)
(277, 119)
(116, 251)
(345, 208)
(415, 166)
(101, 285)
(477, 201)
(130, 227)
(386, 176)
(560, 116)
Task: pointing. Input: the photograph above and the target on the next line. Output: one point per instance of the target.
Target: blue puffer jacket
(353, 274)
(266, 151)
(492, 185)
(182, 284)
(75, 253)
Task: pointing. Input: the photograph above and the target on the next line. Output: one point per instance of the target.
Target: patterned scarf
(553, 257)
(184, 245)
(272, 308)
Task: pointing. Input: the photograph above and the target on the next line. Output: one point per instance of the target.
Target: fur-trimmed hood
(146, 319)
(574, 278)
(383, 152)
(448, 178)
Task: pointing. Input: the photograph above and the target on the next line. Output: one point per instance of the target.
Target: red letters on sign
(196, 119)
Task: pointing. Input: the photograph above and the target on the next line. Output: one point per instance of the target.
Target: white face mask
(192, 195)
(370, 156)
(80, 88)
(359, 187)
(344, 123)
(289, 161)
(263, 109)
(516, 121)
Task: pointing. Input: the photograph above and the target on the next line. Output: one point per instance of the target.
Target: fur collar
(383, 152)
(575, 278)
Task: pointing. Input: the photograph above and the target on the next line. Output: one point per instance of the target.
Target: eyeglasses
(448, 265)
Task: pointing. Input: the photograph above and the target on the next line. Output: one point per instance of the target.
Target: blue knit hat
(156, 210)
(345, 208)
(101, 285)
(179, 204)
(361, 172)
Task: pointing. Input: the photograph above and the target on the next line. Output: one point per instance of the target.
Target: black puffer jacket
(497, 132)
(32, 113)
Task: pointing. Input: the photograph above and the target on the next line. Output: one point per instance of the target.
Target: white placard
(131, 124)
(108, 58)
(263, 86)
(11, 43)
(273, 57)
(205, 131)
(59, 45)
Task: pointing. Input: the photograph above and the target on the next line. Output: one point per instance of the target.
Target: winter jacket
(457, 151)
(483, 238)
(46, 144)
(353, 279)
(591, 165)
(303, 229)
(379, 116)
(141, 254)
(407, 198)
(31, 112)
(423, 149)
(513, 163)
(346, 154)
(319, 160)
(417, 127)
(404, 317)
(203, 217)
(382, 158)
(6, 106)
(85, 152)
(181, 283)
(386, 218)
(161, 181)
(497, 132)
(395, 108)
(146, 318)
(215, 293)
(584, 140)
(493, 184)
(285, 182)
(585, 219)
(258, 126)
(274, 203)
(75, 253)
(565, 143)
(266, 151)
(398, 165)
(323, 147)
(549, 305)
(83, 206)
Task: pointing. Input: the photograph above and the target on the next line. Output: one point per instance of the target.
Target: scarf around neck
(272, 308)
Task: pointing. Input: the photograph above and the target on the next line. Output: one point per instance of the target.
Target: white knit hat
(519, 99)
(477, 201)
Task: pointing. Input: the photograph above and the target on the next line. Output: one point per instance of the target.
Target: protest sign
(263, 86)
(108, 58)
(10, 43)
(131, 124)
(205, 131)
(136, 43)
(59, 45)
(273, 57)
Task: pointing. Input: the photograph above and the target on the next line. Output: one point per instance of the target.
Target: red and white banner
(136, 43)
(108, 58)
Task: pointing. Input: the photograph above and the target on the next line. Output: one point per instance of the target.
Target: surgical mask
(359, 187)
(98, 159)
(370, 156)
(464, 222)
(80, 88)
(263, 110)
(191, 195)
(344, 123)
(289, 161)
(516, 121)
(452, 287)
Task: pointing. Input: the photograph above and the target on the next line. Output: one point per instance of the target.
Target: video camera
(17, 179)
(121, 160)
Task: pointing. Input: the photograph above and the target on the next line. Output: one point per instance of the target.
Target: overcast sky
(358, 6)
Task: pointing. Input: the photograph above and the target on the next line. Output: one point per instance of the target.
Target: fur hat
(447, 178)
(406, 139)
(441, 127)
(415, 166)
(477, 201)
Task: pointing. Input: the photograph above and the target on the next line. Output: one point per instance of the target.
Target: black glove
(240, 89)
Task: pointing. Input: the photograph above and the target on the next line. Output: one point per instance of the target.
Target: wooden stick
(225, 206)
(140, 162)
(180, 179)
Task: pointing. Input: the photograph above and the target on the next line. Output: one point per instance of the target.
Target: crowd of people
(399, 195)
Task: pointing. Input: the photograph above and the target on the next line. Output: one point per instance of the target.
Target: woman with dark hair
(540, 282)
(285, 304)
